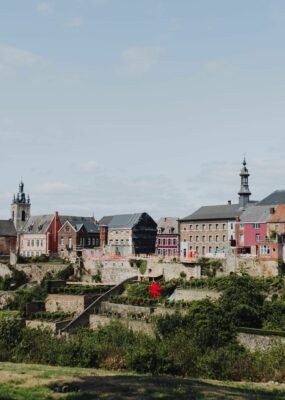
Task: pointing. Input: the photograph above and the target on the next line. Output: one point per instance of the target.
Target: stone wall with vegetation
(256, 341)
(36, 272)
(195, 294)
(67, 303)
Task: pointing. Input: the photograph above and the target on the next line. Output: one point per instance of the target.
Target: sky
(121, 106)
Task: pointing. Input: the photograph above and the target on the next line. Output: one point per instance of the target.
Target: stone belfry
(20, 208)
(244, 193)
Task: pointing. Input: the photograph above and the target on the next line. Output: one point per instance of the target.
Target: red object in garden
(155, 290)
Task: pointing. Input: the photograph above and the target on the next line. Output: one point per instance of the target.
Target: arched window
(23, 216)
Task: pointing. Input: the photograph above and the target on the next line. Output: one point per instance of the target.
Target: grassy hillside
(31, 382)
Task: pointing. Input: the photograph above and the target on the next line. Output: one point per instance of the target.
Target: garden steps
(83, 318)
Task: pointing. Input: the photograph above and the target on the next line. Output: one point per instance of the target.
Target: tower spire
(244, 193)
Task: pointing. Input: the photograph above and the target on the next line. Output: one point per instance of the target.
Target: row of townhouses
(246, 227)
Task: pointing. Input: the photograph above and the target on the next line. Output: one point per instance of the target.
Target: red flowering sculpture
(155, 290)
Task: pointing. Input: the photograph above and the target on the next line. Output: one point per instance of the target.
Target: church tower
(244, 192)
(20, 208)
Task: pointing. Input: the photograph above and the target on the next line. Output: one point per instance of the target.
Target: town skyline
(109, 107)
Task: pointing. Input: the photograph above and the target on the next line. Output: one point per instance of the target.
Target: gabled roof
(256, 214)
(7, 228)
(166, 224)
(38, 224)
(88, 225)
(64, 218)
(228, 211)
(106, 220)
(121, 221)
(277, 197)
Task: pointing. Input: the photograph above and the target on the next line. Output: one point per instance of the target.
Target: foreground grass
(31, 382)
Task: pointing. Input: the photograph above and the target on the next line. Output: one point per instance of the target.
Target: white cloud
(44, 8)
(12, 56)
(75, 22)
(136, 61)
(54, 188)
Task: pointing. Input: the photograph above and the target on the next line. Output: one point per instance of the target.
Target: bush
(13, 281)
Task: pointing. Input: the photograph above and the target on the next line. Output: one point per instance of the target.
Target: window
(93, 241)
(62, 240)
(29, 243)
(190, 238)
(257, 237)
(197, 249)
(256, 226)
(70, 242)
(210, 249)
(97, 242)
(224, 238)
(203, 250)
(89, 241)
(203, 238)
(232, 225)
(217, 249)
(169, 242)
(174, 242)
(241, 238)
(217, 238)
(276, 227)
(158, 241)
(210, 227)
(197, 238)
(197, 227)
(23, 216)
(42, 243)
(163, 242)
(191, 227)
(210, 238)
(32, 243)
(265, 250)
(224, 226)
(217, 226)
(203, 227)
(37, 243)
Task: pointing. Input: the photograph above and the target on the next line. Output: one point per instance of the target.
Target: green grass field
(34, 382)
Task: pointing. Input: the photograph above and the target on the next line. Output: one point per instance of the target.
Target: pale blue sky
(110, 106)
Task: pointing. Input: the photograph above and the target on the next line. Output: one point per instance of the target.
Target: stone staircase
(83, 318)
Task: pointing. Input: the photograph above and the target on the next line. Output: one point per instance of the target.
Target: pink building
(167, 241)
(252, 228)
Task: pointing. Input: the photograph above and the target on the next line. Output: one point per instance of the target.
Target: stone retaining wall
(52, 326)
(36, 272)
(5, 297)
(97, 321)
(195, 294)
(68, 302)
(123, 309)
(254, 342)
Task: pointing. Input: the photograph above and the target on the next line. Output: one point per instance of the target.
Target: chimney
(229, 202)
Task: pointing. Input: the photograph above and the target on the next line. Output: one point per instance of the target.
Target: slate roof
(121, 221)
(215, 212)
(256, 214)
(7, 228)
(38, 224)
(90, 226)
(166, 223)
(64, 218)
(277, 197)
